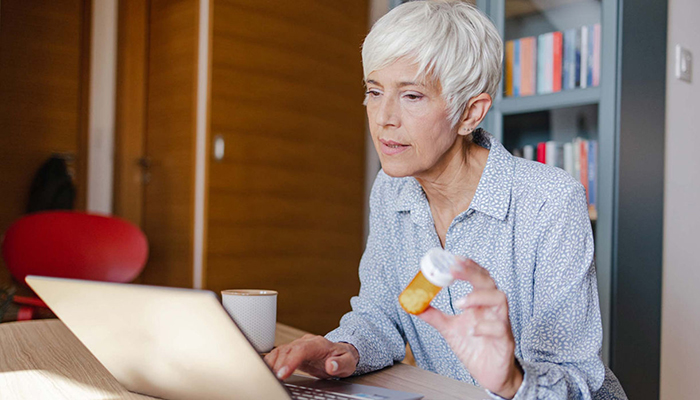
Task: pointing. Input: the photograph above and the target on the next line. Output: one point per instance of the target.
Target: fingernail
(282, 372)
(334, 366)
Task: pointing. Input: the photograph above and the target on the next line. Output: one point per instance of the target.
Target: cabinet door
(44, 62)
(285, 203)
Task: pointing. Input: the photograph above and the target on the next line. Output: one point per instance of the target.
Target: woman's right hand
(314, 355)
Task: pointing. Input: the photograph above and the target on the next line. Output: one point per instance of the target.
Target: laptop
(178, 344)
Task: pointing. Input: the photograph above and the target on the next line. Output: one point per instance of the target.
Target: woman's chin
(396, 171)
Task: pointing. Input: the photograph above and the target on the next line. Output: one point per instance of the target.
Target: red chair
(67, 244)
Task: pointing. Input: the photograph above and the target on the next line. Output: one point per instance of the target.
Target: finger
(495, 329)
(271, 357)
(436, 318)
(485, 298)
(340, 366)
(289, 360)
(470, 271)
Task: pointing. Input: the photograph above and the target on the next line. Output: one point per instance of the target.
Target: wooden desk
(44, 360)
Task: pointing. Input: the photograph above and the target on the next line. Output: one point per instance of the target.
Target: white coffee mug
(255, 313)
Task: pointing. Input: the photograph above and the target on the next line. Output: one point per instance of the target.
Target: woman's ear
(474, 113)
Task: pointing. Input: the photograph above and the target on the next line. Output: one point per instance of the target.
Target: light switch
(684, 64)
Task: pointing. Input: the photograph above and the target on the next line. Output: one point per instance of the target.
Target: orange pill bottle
(434, 274)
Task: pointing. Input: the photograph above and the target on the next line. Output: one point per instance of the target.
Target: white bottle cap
(435, 266)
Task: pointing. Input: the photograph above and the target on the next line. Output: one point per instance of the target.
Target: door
(285, 203)
(44, 77)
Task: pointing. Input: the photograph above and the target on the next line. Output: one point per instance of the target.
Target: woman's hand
(315, 355)
(481, 336)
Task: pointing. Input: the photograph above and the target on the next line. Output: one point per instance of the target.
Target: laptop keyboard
(307, 393)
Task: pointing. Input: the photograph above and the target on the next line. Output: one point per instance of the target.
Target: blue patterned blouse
(528, 226)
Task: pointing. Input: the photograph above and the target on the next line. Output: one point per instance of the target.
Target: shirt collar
(493, 194)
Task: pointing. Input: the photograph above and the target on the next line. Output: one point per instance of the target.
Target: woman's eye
(413, 96)
(372, 93)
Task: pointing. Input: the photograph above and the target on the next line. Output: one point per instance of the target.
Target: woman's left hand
(481, 336)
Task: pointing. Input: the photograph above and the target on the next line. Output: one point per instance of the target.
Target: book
(596, 54)
(528, 67)
(516, 68)
(577, 159)
(509, 68)
(583, 160)
(551, 153)
(583, 64)
(548, 62)
(592, 181)
(540, 64)
(569, 60)
(577, 64)
(542, 152)
(569, 158)
(529, 152)
(591, 55)
(557, 43)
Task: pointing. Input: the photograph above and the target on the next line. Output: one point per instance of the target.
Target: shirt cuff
(524, 386)
(364, 363)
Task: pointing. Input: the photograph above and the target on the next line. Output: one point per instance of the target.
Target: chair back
(68, 244)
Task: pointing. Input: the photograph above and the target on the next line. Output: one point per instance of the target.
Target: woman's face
(408, 121)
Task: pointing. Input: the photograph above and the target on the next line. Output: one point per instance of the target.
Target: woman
(523, 318)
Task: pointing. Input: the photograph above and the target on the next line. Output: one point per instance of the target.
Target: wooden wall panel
(285, 204)
(44, 78)
(167, 217)
(130, 122)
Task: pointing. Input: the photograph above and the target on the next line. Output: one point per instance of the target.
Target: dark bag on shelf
(52, 187)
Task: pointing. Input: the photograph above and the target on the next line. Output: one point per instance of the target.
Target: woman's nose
(388, 112)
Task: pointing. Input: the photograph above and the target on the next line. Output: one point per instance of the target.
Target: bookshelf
(564, 99)
(625, 115)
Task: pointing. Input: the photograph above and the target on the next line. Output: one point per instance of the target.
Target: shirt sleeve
(373, 325)
(562, 337)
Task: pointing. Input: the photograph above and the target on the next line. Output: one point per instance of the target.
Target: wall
(102, 102)
(680, 349)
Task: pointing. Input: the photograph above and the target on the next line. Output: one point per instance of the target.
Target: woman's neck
(451, 185)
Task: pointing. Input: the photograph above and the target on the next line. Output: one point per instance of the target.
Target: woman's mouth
(390, 147)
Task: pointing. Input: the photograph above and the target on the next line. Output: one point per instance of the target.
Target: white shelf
(541, 102)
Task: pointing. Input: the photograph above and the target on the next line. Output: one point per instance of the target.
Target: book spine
(542, 152)
(533, 64)
(557, 61)
(516, 68)
(583, 68)
(592, 166)
(549, 62)
(529, 152)
(551, 153)
(540, 64)
(527, 58)
(591, 53)
(565, 62)
(569, 158)
(584, 166)
(509, 68)
(577, 68)
(577, 159)
(596, 55)
(572, 59)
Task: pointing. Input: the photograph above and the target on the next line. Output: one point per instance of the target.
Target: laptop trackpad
(354, 389)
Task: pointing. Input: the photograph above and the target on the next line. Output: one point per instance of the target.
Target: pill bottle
(434, 274)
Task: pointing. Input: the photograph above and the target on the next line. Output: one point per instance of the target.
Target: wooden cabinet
(280, 85)
(44, 77)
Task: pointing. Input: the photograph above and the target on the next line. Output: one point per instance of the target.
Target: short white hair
(451, 41)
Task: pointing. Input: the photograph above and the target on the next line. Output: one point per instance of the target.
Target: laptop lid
(164, 342)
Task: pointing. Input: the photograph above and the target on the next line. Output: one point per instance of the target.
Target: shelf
(567, 98)
(521, 8)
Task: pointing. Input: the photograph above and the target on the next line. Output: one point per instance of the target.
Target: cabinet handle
(219, 147)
